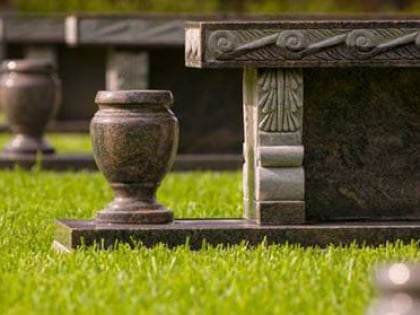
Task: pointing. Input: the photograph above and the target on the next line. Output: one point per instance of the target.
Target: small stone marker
(399, 289)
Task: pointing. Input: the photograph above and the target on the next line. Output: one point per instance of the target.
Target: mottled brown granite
(134, 137)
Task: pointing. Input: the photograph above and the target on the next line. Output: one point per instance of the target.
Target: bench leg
(46, 52)
(127, 70)
(274, 178)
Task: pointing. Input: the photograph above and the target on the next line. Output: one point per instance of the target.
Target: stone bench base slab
(71, 234)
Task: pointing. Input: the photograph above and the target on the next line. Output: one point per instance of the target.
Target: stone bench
(329, 88)
(332, 136)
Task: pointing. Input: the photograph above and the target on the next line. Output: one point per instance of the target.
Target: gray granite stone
(359, 130)
(280, 183)
(362, 144)
(273, 173)
(280, 212)
(280, 203)
(303, 43)
(284, 156)
(276, 139)
(71, 234)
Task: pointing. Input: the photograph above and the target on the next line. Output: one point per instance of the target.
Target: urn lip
(27, 66)
(135, 97)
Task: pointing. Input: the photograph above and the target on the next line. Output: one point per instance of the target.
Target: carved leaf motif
(280, 100)
(192, 44)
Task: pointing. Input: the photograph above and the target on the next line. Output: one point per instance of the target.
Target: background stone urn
(30, 93)
(135, 138)
(399, 289)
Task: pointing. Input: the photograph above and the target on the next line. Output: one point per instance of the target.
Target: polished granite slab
(71, 234)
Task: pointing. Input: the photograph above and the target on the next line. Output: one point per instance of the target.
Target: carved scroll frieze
(313, 44)
(280, 100)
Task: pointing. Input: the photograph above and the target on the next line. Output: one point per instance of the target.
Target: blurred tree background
(213, 6)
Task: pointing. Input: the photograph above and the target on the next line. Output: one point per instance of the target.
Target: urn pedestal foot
(28, 145)
(134, 204)
(155, 216)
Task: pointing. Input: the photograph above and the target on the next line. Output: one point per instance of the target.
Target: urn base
(28, 145)
(155, 216)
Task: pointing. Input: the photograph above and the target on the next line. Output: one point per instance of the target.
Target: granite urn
(135, 138)
(30, 93)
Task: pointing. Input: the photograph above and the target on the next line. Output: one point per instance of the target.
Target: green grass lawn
(63, 143)
(237, 280)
